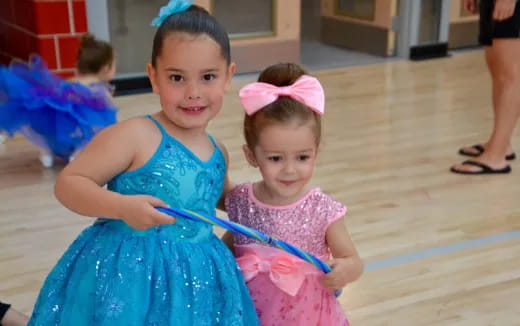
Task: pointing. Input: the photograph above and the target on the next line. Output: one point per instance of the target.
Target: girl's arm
(227, 238)
(228, 184)
(79, 187)
(347, 266)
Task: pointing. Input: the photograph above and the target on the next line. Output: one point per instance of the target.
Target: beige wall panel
(382, 18)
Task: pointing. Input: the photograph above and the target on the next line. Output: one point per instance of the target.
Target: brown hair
(285, 109)
(195, 21)
(93, 55)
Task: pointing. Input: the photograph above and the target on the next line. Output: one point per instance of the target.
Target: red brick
(52, 17)
(7, 11)
(69, 46)
(5, 59)
(80, 16)
(18, 43)
(33, 45)
(24, 14)
(4, 29)
(47, 51)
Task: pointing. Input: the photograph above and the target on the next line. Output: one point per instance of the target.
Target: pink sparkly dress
(285, 289)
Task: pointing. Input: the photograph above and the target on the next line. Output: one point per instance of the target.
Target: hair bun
(88, 41)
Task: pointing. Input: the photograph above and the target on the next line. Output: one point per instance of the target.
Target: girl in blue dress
(136, 265)
(59, 116)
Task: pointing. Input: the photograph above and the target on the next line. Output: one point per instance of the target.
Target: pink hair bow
(284, 272)
(305, 89)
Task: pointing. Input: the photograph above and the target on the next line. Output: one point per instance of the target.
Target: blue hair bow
(173, 7)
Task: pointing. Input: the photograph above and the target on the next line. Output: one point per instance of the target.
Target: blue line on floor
(448, 249)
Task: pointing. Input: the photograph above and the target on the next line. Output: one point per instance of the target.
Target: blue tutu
(169, 275)
(59, 116)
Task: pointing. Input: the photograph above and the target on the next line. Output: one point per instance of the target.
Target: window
(363, 9)
(245, 18)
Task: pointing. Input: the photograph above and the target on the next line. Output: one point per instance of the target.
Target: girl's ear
(107, 72)
(230, 73)
(152, 75)
(250, 156)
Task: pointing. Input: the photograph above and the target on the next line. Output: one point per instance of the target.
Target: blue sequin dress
(179, 274)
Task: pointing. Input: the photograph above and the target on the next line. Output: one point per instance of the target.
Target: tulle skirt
(113, 275)
(277, 304)
(58, 116)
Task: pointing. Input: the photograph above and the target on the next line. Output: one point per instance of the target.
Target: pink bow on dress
(305, 89)
(284, 272)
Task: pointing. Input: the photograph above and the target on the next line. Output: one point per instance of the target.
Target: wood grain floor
(391, 132)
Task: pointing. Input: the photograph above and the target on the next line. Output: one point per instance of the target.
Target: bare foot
(478, 149)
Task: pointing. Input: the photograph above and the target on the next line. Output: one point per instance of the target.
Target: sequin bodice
(178, 177)
(169, 275)
(302, 224)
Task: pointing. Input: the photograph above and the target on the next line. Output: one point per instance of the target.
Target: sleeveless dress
(58, 116)
(285, 289)
(169, 275)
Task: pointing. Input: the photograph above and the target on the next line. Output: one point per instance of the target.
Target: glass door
(361, 25)
(464, 26)
(126, 25)
(262, 32)
(131, 33)
(246, 18)
(253, 25)
(423, 28)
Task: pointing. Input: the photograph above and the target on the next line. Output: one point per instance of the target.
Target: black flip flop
(485, 169)
(480, 149)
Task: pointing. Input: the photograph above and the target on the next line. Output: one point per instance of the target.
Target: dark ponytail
(93, 55)
(196, 20)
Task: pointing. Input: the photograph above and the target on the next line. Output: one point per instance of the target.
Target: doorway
(317, 54)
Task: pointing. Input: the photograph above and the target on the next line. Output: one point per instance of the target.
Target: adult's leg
(505, 60)
(493, 71)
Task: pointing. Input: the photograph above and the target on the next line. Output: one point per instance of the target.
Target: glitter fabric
(179, 274)
(303, 224)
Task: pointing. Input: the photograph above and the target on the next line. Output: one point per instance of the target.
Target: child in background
(136, 265)
(58, 116)
(282, 129)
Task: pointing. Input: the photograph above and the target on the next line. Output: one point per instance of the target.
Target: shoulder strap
(158, 124)
(217, 147)
(213, 141)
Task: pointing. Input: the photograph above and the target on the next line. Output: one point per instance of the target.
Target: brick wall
(50, 28)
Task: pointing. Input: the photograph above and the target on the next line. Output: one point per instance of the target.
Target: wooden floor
(440, 249)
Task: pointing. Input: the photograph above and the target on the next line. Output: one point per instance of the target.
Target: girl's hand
(139, 212)
(342, 271)
(504, 9)
(470, 6)
(346, 265)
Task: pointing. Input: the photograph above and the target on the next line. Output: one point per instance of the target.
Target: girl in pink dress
(282, 128)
